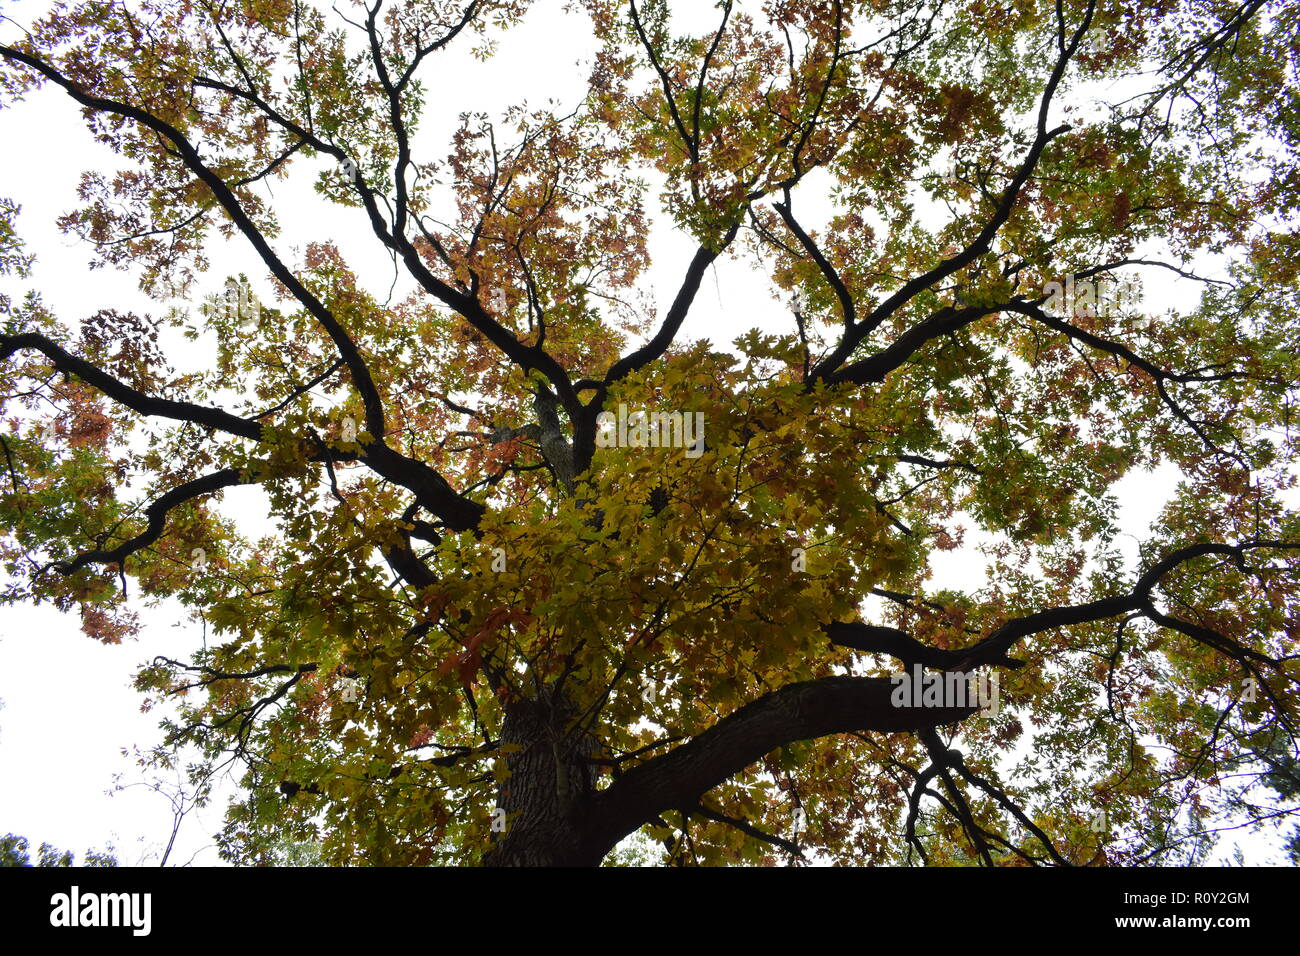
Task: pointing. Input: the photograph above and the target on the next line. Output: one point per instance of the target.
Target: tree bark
(552, 779)
(557, 817)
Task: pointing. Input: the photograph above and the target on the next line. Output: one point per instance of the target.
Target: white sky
(68, 708)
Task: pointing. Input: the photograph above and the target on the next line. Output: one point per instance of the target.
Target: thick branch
(874, 368)
(898, 644)
(700, 262)
(982, 243)
(584, 439)
(157, 514)
(361, 377)
(132, 398)
(828, 271)
(800, 711)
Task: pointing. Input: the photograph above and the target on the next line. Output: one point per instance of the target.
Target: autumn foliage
(475, 632)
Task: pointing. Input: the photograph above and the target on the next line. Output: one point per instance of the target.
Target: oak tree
(548, 566)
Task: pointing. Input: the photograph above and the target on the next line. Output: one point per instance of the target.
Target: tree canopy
(550, 567)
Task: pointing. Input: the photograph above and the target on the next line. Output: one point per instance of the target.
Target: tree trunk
(551, 778)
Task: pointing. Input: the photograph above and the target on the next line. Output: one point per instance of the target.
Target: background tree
(14, 852)
(481, 633)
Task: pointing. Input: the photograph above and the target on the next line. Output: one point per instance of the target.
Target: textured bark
(551, 780)
(558, 818)
(802, 711)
